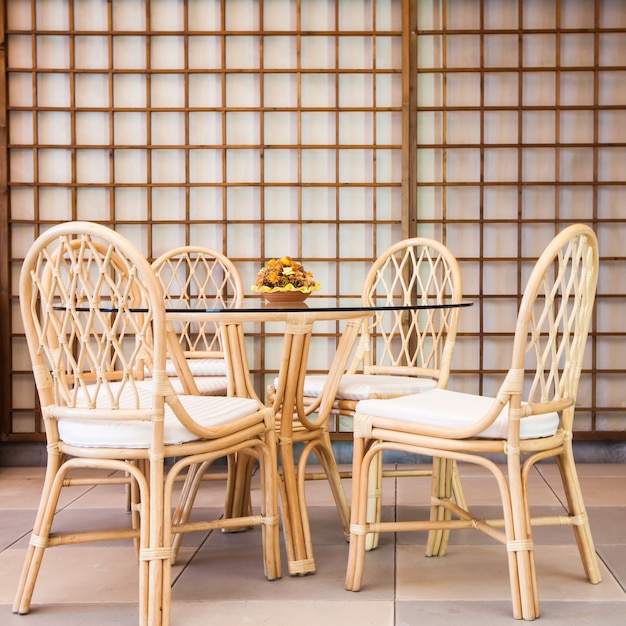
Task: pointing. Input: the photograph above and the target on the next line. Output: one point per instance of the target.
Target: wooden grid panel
(520, 131)
(258, 128)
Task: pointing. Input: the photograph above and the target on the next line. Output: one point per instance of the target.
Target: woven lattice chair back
(419, 342)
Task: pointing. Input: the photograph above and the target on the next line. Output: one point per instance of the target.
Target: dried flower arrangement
(284, 274)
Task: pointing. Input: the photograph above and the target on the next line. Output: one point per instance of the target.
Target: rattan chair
(529, 419)
(94, 317)
(401, 353)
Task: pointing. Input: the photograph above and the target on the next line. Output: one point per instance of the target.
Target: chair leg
(441, 489)
(374, 499)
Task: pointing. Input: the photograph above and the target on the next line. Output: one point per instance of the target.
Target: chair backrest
(93, 314)
(411, 343)
(552, 327)
(197, 277)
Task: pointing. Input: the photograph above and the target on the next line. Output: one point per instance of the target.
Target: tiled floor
(219, 577)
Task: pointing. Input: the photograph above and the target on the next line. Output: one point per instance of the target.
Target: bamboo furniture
(94, 317)
(529, 419)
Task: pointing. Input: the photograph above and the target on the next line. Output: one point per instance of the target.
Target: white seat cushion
(200, 367)
(363, 386)
(207, 385)
(453, 409)
(207, 411)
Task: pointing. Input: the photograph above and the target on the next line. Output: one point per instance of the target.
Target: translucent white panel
(21, 125)
(577, 49)
(611, 239)
(353, 238)
(611, 388)
(499, 203)
(205, 52)
(281, 166)
(19, 51)
(501, 51)
(536, 201)
(502, 315)
(168, 204)
(318, 128)
(576, 164)
(389, 166)
(136, 233)
(388, 90)
(280, 90)
(538, 127)
(129, 15)
(355, 90)
(92, 128)
(129, 90)
(500, 15)
(21, 204)
(92, 203)
(92, 167)
(21, 166)
(281, 240)
(90, 15)
(463, 89)
(612, 86)
(243, 166)
(205, 203)
(534, 241)
(167, 90)
(577, 127)
(242, 90)
(538, 88)
(20, 90)
(91, 52)
(356, 166)
(612, 14)
(205, 128)
(610, 201)
(355, 15)
(167, 237)
(18, 15)
(389, 203)
(52, 15)
(351, 274)
(356, 128)
(355, 52)
(131, 202)
(242, 52)
(318, 240)
(168, 128)
(318, 166)
(55, 204)
(612, 126)
(55, 166)
(279, 15)
(168, 166)
(317, 52)
(130, 166)
(500, 240)
(538, 14)
(463, 126)
(463, 165)
(464, 202)
(388, 52)
(204, 15)
(318, 203)
(130, 129)
(429, 127)
(23, 390)
(500, 127)
(166, 15)
(539, 50)
(611, 164)
(499, 278)
(242, 128)
(356, 203)
(429, 51)
(167, 53)
(242, 15)
(129, 53)
(53, 52)
(538, 164)
(429, 165)
(463, 51)
(53, 90)
(429, 90)
(280, 128)
(501, 89)
(576, 88)
(464, 239)
(280, 204)
(279, 52)
(576, 203)
(386, 235)
(324, 272)
(317, 15)
(318, 90)
(205, 166)
(389, 128)
(205, 90)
